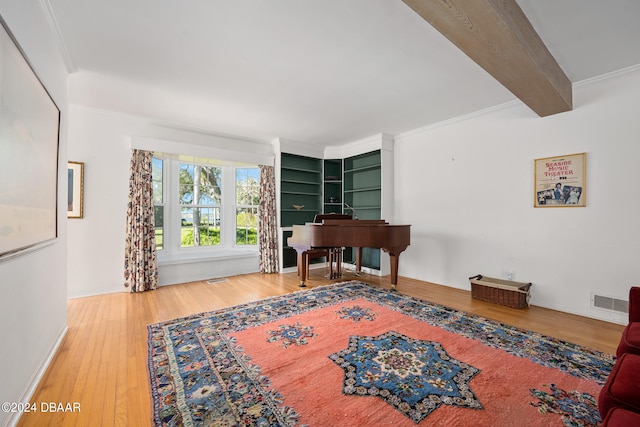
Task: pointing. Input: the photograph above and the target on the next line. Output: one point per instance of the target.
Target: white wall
(33, 302)
(467, 189)
(96, 242)
(102, 140)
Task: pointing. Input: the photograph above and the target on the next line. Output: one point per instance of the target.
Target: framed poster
(75, 190)
(29, 125)
(560, 181)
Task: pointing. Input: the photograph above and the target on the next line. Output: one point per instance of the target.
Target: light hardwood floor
(102, 361)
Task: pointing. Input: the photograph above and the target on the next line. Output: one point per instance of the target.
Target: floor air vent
(609, 303)
(218, 280)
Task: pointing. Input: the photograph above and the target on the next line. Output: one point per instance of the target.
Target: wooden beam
(497, 35)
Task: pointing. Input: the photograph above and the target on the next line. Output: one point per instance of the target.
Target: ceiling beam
(497, 35)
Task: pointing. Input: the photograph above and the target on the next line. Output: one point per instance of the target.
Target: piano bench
(332, 255)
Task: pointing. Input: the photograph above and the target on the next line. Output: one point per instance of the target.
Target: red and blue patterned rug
(351, 354)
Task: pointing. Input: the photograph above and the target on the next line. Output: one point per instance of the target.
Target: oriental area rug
(351, 354)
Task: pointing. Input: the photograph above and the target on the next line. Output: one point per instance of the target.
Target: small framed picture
(75, 195)
(560, 181)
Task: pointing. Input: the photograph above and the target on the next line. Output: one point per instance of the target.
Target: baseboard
(28, 394)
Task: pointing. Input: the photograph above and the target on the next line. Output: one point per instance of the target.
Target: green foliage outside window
(209, 236)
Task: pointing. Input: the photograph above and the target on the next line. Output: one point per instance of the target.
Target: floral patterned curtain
(267, 218)
(140, 265)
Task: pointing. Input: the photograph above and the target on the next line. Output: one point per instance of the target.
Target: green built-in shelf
(324, 186)
(300, 189)
(362, 191)
(332, 198)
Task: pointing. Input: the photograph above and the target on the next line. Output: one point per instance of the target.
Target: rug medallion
(415, 376)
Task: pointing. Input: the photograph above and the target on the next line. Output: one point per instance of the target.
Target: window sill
(224, 254)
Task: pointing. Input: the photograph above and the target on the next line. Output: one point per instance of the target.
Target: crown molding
(291, 146)
(613, 74)
(49, 14)
(381, 141)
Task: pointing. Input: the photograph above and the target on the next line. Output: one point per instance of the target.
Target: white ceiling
(316, 71)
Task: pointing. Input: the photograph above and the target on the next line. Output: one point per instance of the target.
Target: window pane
(158, 208)
(186, 195)
(159, 226)
(185, 186)
(241, 174)
(241, 177)
(156, 171)
(207, 196)
(200, 185)
(247, 186)
(200, 227)
(210, 185)
(247, 226)
(254, 194)
(247, 200)
(241, 195)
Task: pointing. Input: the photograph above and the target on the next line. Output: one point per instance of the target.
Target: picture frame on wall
(560, 181)
(75, 195)
(29, 125)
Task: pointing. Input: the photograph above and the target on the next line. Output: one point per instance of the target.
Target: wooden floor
(102, 362)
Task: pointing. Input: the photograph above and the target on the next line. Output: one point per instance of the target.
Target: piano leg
(393, 259)
(331, 256)
(303, 261)
(336, 256)
(358, 261)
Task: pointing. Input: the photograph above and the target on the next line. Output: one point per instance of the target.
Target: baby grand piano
(357, 233)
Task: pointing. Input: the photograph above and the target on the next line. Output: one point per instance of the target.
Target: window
(197, 209)
(200, 198)
(247, 199)
(158, 200)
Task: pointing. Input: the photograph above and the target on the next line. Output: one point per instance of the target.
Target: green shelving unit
(327, 186)
(300, 189)
(332, 199)
(363, 192)
(300, 196)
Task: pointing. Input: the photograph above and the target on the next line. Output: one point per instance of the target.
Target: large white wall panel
(466, 187)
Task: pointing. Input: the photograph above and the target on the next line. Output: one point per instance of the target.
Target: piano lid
(353, 222)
